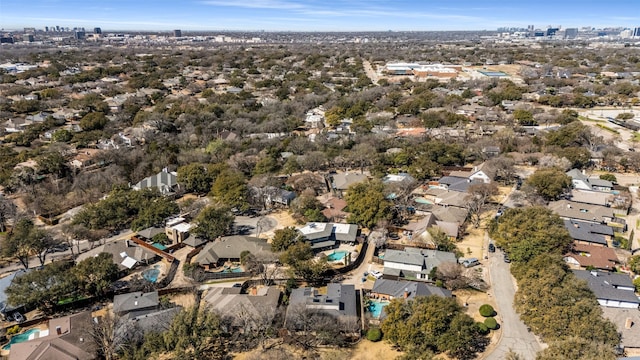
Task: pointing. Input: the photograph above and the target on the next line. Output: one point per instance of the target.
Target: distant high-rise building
(177, 33)
(570, 33)
(6, 40)
(46, 29)
(57, 28)
(97, 31)
(29, 30)
(552, 31)
(530, 27)
(30, 38)
(636, 32)
(79, 34)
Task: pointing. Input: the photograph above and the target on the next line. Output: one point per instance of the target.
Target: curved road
(515, 335)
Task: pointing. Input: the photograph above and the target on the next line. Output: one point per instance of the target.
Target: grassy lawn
(608, 129)
(584, 118)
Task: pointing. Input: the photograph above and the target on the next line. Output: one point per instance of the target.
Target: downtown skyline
(314, 15)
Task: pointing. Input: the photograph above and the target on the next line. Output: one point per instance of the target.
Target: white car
(376, 274)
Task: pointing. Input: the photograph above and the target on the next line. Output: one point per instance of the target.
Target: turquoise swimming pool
(376, 306)
(20, 338)
(421, 200)
(151, 275)
(159, 246)
(337, 255)
(233, 269)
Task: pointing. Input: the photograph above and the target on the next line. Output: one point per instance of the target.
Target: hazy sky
(320, 15)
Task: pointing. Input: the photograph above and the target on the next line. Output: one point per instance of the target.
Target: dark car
(492, 248)
(506, 258)
(394, 236)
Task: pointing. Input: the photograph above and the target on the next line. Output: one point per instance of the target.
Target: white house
(414, 262)
(611, 289)
(483, 173)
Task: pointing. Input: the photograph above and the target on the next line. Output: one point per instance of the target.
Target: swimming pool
(151, 275)
(421, 200)
(376, 306)
(22, 338)
(233, 269)
(159, 246)
(337, 255)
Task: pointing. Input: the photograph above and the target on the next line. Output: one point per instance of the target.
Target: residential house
(16, 125)
(246, 310)
(627, 321)
(591, 256)
(334, 208)
(342, 181)
(314, 119)
(177, 229)
(484, 173)
(86, 158)
(611, 289)
(229, 248)
(274, 196)
(490, 151)
(136, 303)
(7, 310)
(445, 198)
(67, 337)
(588, 233)
(400, 178)
(149, 233)
(339, 302)
(454, 183)
(166, 182)
(328, 235)
(414, 263)
(385, 289)
(126, 254)
(596, 214)
(580, 181)
(592, 197)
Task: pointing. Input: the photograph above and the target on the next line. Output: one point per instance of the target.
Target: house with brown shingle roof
(592, 256)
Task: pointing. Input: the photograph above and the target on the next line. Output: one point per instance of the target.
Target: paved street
(515, 335)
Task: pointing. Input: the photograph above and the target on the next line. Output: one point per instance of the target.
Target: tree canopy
(432, 325)
(549, 183)
(367, 203)
(213, 221)
(526, 233)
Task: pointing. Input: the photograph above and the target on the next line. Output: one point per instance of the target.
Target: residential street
(515, 335)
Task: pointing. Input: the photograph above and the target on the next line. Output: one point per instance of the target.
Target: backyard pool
(151, 275)
(159, 246)
(421, 200)
(232, 269)
(22, 338)
(337, 255)
(375, 307)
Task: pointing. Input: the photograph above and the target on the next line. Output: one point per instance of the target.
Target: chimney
(126, 243)
(406, 293)
(628, 323)
(58, 330)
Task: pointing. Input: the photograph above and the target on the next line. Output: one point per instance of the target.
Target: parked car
(506, 258)
(393, 236)
(492, 248)
(470, 262)
(376, 274)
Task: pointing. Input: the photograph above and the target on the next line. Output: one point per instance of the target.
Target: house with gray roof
(229, 248)
(68, 337)
(627, 321)
(571, 210)
(328, 235)
(592, 197)
(126, 254)
(385, 289)
(5, 308)
(589, 233)
(342, 181)
(339, 302)
(611, 289)
(246, 310)
(414, 263)
(581, 181)
(166, 182)
(136, 303)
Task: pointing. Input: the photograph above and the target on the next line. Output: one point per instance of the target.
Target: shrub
(486, 310)
(374, 334)
(636, 283)
(484, 330)
(491, 323)
(13, 330)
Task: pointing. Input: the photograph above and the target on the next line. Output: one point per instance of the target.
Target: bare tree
(108, 335)
(479, 195)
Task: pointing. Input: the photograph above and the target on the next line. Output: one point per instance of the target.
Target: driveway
(514, 333)
(354, 277)
(245, 225)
